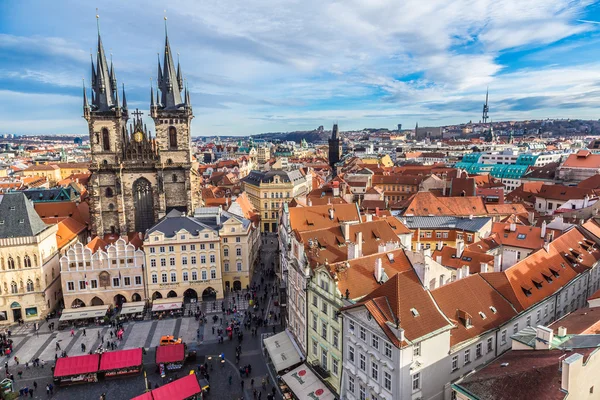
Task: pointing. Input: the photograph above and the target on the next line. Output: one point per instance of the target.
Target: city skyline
(267, 69)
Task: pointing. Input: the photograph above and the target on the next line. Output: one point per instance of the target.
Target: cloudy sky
(265, 65)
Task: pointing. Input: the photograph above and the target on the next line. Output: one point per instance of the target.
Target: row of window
(13, 263)
(375, 340)
(93, 283)
(184, 260)
(276, 195)
(324, 359)
(373, 370)
(14, 288)
(185, 276)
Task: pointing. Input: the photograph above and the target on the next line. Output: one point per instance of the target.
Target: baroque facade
(136, 178)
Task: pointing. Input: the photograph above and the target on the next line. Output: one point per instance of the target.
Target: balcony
(319, 370)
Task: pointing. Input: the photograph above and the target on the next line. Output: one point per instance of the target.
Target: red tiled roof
(582, 159)
(317, 217)
(464, 299)
(394, 302)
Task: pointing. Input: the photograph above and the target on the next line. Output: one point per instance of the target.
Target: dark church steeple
(169, 78)
(103, 81)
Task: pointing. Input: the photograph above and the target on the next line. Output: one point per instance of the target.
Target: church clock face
(138, 136)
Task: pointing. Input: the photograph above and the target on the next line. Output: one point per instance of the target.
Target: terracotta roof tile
(68, 229)
(317, 217)
(465, 299)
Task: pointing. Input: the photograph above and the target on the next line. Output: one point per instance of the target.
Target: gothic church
(138, 178)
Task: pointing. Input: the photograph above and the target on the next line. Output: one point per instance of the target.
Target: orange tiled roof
(468, 258)
(582, 159)
(585, 321)
(392, 303)
(526, 237)
(464, 299)
(317, 217)
(330, 244)
(64, 209)
(560, 192)
(96, 243)
(68, 229)
(505, 209)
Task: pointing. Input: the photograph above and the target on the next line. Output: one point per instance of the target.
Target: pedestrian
(35, 385)
(20, 373)
(98, 334)
(273, 390)
(72, 332)
(83, 331)
(252, 382)
(242, 385)
(230, 377)
(31, 393)
(48, 390)
(57, 346)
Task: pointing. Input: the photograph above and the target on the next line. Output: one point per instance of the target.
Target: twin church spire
(105, 94)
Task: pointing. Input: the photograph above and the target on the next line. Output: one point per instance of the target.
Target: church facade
(138, 178)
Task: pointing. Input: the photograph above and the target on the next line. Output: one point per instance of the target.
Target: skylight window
(521, 236)
(414, 312)
(482, 315)
(493, 309)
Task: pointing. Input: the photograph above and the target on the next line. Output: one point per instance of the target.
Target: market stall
(133, 310)
(122, 362)
(302, 383)
(186, 388)
(82, 316)
(163, 308)
(77, 369)
(170, 358)
(282, 350)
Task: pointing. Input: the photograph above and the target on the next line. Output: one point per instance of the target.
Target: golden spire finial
(98, 21)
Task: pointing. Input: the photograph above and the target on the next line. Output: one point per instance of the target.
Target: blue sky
(266, 65)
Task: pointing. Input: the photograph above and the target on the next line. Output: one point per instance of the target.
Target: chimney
(418, 246)
(381, 248)
(466, 271)
(378, 270)
(530, 217)
(543, 338)
(346, 227)
(359, 242)
(543, 233)
(377, 211)
(438, 259)
(460, 247)
(513, 227)
(427, 252)
(309, 202)
(562, 331)
(586, 201)
(336, 191)
(571, 370)
(331, 213)
(369, 217)
(483, 267)
(498, 263)
(440, 245)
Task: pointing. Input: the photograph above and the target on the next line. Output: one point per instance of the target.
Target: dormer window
(414, 312)
(537, 283)
(12, 208)
(521, 236)
(493, 309)
(482, 315)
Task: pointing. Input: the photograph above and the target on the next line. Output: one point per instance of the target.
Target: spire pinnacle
(151, 94)
(124, 98)
(165, 17)
(117, 106)
(85, 100)
(98, 21)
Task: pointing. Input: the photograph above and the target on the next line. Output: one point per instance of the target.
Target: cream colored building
(29, 267)
(200, 257)
(49, 171)
(263, 154)
(100, 273)
(268, 190)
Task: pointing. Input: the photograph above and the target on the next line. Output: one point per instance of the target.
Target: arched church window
(13, 287)
(27, 261)
(105, 140)
(172, 138)
(174, 178)
(169, 162)
(105, 162)
(29, 285)
(111, 206)
(109, 192)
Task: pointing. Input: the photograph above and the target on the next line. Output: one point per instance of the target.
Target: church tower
(335, 148)
(172, 115)
(137, 178)
(107, 120)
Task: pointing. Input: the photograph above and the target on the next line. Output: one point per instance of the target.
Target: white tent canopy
(306, 385)
(70, 314)
(133, 308)
(282, 350)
